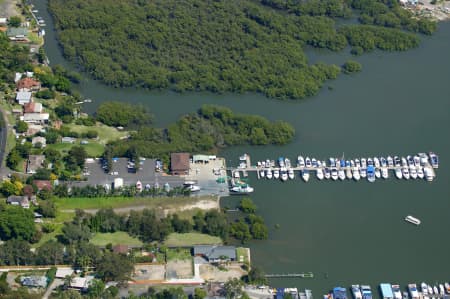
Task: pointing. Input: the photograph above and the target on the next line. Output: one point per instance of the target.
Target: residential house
(35, 118)
(17, 34)
(18, 201)
(120, 248)
(23, 97)
(81, 283)
(33, 129)
(34, 163)
(32, 107)
(215, 253)
(39, 140)
(42, 184)
(28, 84)
(34, 281)
(179, 163)
(63, 272)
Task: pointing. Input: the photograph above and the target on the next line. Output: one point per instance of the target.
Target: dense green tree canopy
(17, 223)
(235, 45)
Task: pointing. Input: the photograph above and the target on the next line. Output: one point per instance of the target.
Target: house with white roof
(23, 97)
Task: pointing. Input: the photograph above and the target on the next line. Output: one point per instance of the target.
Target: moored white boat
(262, 173)
(413, 172)
(269, 174)
(241, 189)
(327, 173)
(300, 161)
(384, 172)
(319, 174)
(390, 161)
(363, 172)
(356, 175)
(428, 171)
(363, 162)
(276, 174)
(420, 173)
(341, 174)
(348, 173)
(398, 173)
(291, 174)
(305, 175)
(308, 162)
(334, 174)
(405, 172)
(283, 174)
(377, 173)
(376, 162)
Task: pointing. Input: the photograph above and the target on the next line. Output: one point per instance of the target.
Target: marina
(420, 166)
(393, 291)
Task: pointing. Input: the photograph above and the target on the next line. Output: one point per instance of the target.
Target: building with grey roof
(216, 253)
(34, 281)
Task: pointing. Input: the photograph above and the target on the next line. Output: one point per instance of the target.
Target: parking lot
(143, 171)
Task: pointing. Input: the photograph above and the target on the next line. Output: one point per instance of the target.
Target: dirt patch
(213, 273)
(180, 269)
(205, 204)
(149, 272)
(8, 8)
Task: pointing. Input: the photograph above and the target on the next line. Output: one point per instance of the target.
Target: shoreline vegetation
(235, 46)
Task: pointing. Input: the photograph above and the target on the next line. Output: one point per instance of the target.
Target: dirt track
(8, 8)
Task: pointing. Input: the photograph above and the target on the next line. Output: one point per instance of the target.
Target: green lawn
(102, 239)
(241, 251)
(122, 202)
(190, 239)
(94, 149)
(105, 133)
(182, 254)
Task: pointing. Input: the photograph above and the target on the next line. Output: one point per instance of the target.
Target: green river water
(344, 232)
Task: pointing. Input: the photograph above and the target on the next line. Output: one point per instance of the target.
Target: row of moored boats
(393, 291)
(419, 166)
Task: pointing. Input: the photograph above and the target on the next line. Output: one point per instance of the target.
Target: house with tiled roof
(28, 84)
(32, 107)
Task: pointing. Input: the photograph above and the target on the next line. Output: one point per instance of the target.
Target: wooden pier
(291, 275)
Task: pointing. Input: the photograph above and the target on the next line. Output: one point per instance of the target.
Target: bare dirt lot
(149, 272)
(212, 273)
(180, 269)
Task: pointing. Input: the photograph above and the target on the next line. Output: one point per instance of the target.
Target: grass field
(241, 251)
(105, 133)
(190, 239)
(102, 239)
(123, 202)
(93, 148)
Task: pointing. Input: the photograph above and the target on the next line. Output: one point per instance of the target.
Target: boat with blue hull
(339, 293)
(366, 292)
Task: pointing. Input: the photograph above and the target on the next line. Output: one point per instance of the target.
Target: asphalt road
(3, 138)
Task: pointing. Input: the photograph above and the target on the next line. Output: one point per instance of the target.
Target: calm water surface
(344, 232)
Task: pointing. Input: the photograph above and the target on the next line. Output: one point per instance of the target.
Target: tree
(351, 66)
(199, 293)
(47, 208)
(233, 288)
(15, 21)
(13, 159)
(8, 188)
(256, 276)
(75, 233)
(21, 126)
(17, 223)
(50, 253)
(15, 253)
(123, 114)
(114, 267)
(76, 157)
(247, 206)
(96, 288)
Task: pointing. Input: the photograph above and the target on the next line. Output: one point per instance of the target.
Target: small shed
(18, 201)
(68, 140)
(179, 163)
